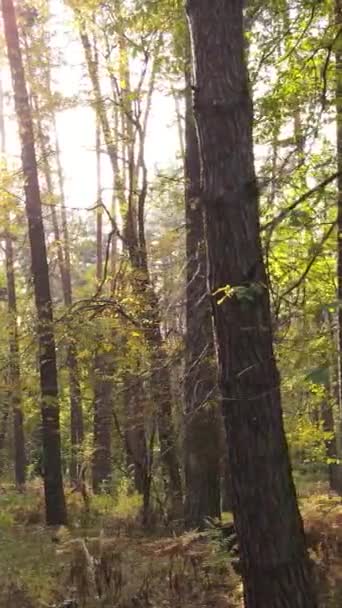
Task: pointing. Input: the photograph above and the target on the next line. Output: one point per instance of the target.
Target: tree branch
(273, 223)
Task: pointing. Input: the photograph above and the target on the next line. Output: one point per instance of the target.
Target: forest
(171, 303)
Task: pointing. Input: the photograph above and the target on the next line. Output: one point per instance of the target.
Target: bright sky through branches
(76, 126)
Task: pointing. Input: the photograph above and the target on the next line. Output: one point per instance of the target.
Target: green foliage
(307, 440)
(142, 47)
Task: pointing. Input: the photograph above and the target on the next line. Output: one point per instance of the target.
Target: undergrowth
(105, 559)
(323, 526)
(180, 571)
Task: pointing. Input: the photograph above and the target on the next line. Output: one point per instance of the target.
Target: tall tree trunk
(338, 55)
(274, 560)
(103, 368)
(160, 373)
(14, 380)
(63, 258)
(103, 421)
(162, 398)
(327, 413)
(3, 433)
(160, 376)
(327, 418)
(76, 409)
(53, 482)
(180, 124)
(226, 480)
(135, 433)
(5, 406)
(14, 371)
(76, 412)
(135, 238)
(202, 430)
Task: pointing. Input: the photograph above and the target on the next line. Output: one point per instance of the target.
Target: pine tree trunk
(14, 371)
(327, 418)
(76, 412)
(63, 258)
(274, 561)
(226, 482)
(14, 380)
(3, 433)
(328, 412)
(202, 419)
(338, 55)
(53, 483)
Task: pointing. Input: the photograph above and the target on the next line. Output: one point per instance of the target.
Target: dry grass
(323, 525)
(106, 559)
(128, 573)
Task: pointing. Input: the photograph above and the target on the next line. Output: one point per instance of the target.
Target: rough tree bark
(327, 411)
(274, 560)
(327, 418)
(3, 433)
(338, 57)
(202, 422)
(53, 482)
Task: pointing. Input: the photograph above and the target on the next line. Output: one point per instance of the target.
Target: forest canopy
(171, 274)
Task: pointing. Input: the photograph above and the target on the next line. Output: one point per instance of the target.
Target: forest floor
(104, 558)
